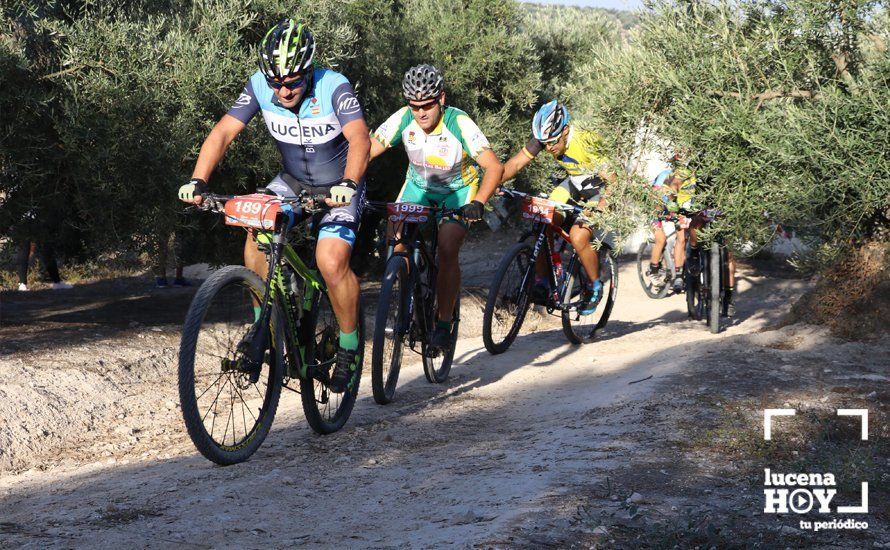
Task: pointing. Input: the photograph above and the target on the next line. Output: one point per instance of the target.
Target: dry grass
(853, 296)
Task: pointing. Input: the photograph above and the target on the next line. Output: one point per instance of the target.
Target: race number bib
(256, 211)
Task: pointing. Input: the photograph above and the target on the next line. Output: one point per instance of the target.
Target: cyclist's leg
(730, 260)
(336, 237)
(691, 232)
(679, 256)
(730, 287)
(581, 236)
(660, 241)
(680, 248)
(452, 232)
(451, 238)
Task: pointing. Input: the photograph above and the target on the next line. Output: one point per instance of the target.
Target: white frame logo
(802, 500)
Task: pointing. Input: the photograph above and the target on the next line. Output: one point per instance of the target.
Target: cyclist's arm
(609, 178)
(493, 175)
(215, 146)
(516, 163)
(356, 133)
(377, 148)
(389, 133)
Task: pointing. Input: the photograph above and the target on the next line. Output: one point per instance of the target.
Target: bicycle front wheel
(437, 362)
(693, 273)
(579, 328)
(390, 327)
(508, 299)
(326, 412)
(228, 406)
(653, 287)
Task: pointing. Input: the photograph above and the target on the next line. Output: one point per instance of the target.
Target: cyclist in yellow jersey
(582, 154)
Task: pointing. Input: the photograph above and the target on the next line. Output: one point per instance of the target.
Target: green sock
(443, 324)
(256, 313)
(349, 340)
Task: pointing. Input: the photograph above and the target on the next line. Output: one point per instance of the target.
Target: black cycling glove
(473, 211)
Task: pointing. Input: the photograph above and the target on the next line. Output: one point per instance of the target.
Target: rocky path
(496, 456)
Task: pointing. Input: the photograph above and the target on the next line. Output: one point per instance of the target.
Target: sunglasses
(423, 106)
(292, 85)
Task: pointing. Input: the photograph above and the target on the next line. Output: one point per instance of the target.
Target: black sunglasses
(423, 106)
(292, 85)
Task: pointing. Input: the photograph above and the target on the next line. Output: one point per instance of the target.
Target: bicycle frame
(281, 255)
(555, 271)
(416, 250)
(281, 259)
(701, 270)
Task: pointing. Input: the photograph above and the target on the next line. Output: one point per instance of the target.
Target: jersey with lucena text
(310, 135)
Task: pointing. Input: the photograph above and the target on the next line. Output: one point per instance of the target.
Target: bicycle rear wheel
(653, 287)
(716, 288)
(389, 330)
(326, 412)
(508, 299)
(578, 328)
(227, 407)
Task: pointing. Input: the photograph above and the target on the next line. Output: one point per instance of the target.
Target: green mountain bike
(245, 338)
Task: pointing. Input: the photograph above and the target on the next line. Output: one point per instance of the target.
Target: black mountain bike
(244, 338)
(509, 296)
(406, 308)
(707, 274)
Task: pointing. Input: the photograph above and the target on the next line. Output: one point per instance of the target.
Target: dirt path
(539, 446)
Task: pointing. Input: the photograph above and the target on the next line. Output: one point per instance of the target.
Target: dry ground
(649, 437)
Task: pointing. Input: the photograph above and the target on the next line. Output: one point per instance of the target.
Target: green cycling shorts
(455, 199)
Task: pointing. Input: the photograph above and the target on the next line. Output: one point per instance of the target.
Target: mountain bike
(245, 338)
(658, 287)
(707, 273)
(509, 297)
(406, 308)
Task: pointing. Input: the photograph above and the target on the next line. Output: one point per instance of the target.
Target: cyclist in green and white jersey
(445, 151)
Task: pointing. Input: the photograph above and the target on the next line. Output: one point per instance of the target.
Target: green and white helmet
(286, 50)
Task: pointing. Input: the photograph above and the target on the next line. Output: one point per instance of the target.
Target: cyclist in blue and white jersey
(320, 130)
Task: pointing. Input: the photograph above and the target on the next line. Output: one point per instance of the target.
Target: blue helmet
(549, 121)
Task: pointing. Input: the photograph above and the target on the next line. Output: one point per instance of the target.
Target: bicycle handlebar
(216, 203)
(381, 205)
(571, 208)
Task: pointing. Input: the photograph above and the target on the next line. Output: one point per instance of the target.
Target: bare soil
(649, 437)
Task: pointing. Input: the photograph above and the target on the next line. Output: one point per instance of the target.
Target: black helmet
(422, 82)
(286, 50)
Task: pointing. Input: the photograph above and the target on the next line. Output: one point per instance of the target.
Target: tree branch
(767, 95)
